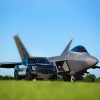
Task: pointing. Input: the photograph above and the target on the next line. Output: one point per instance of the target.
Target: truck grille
(45, 70)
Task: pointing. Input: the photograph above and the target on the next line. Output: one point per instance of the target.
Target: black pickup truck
(35, 68)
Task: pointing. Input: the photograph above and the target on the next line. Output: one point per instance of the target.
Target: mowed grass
(48, 90)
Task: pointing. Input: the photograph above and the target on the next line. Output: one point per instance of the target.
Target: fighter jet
(71, 64)
(74, 63)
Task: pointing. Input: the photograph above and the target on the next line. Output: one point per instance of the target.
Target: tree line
(87, 78)
(6, 78)
(90, 78)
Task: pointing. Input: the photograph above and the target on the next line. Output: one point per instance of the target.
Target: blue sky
(46, 26)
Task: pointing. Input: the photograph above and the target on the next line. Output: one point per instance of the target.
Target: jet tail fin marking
(21, 48)
(67, 48)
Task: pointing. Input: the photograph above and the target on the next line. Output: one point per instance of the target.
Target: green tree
(90, 78)
(98, 79)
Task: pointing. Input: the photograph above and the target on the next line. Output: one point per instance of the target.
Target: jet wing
(95, 67)
(9, 65)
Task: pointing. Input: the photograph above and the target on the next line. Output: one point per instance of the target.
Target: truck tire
(16, 76)
(67, 78)
(53, 77)
(64, 78)
(28, 75)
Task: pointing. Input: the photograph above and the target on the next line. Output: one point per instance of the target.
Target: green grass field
(48, 90)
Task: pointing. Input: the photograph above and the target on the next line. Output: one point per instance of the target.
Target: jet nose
(91, 61)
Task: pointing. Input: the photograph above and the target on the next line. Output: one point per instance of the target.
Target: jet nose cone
(94, 61)
(91, 61)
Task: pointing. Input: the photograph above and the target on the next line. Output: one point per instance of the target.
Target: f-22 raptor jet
(73, 64)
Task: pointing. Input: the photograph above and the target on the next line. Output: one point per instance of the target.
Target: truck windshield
(38, 60)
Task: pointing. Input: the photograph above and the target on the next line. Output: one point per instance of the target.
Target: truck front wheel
(28, 75)
(53, 77)
(16, 76)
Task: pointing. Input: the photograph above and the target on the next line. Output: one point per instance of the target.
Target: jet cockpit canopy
(80, 49)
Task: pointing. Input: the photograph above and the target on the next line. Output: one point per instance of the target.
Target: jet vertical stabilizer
(67, 48)
(21, 48)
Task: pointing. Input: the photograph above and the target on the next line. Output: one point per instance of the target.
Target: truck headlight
(34, 68)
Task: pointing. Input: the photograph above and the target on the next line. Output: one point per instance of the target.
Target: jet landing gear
(66, 77)
(69, 78)
(72, 74)
(72, 78)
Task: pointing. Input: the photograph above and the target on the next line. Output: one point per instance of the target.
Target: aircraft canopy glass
(79, 49)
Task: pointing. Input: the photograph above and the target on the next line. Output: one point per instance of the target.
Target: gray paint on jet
(78, 61)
